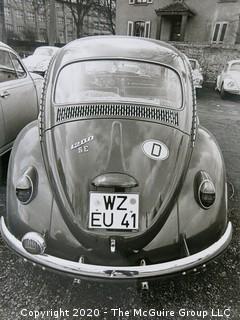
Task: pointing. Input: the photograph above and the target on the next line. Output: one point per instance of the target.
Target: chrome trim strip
(110, 272)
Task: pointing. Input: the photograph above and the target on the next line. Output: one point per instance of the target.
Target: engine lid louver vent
(155, 114)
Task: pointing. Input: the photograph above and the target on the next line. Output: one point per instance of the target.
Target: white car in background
(38, 62)
(197, 73)
(228, 81)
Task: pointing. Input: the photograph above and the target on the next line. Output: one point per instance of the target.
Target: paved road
(204, 296)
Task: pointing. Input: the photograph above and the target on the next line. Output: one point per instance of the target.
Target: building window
(7, 12)
(139, 28)
(219, 32)
(69, 21)
(61, 35)
(30, 16)
(43, 34)
(70, 35)
(220, 1)
(20, 29)
(61, 21)
(43, 31)
(19, 14)
(9, 27)
(140, 1)
(41, 18)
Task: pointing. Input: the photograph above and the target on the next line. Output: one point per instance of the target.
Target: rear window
(118, 81)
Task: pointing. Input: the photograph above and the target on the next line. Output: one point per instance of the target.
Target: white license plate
(117, 211)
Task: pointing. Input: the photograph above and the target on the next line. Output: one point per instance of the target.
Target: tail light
(26, 186)
(205, 192)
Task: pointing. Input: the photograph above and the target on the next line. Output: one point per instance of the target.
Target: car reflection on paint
(119, 180)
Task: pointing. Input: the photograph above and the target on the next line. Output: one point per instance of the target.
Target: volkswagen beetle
(117, 179)
(38, 62)
(228, 81)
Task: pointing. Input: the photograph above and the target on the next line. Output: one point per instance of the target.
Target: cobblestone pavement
(25, 289)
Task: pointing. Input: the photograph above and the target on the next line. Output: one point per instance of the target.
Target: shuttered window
(147, 29)
(219, 32)
(140, 1)
(130, 28)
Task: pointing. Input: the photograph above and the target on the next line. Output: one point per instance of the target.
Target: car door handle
(4, 94)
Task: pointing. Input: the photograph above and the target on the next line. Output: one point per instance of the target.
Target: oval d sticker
(155, 149)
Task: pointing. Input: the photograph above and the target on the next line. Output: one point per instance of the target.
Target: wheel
(223, 93)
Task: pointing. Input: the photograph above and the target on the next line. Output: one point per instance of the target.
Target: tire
(223, 93)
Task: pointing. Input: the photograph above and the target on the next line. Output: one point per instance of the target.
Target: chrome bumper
(78, 269)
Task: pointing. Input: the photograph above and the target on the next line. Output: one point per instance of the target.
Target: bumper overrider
(79, 269)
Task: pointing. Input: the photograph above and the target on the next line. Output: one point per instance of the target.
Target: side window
(7, 70)
(21, 73)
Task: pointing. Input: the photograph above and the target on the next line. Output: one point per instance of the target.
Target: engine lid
(116, 157)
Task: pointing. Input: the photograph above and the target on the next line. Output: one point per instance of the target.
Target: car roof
(121, 47)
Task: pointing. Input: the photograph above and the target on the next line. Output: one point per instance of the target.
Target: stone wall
(211, 57)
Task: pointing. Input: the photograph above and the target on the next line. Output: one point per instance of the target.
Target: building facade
(29, 23)
(204, 21)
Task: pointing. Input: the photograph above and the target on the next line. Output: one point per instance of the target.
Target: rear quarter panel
(36, 215)
(203, 227)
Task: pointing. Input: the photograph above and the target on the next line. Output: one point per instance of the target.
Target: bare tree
(108, 10)
(79, 10)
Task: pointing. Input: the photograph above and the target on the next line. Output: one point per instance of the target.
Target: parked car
(19, 97)
(228, 81)
(197, 73)
(117, 180)
(38, 62)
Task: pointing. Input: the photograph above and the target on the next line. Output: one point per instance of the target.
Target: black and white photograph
(120, 159)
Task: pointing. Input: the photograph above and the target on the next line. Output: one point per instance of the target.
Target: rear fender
(36, 215)
(202, 227)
